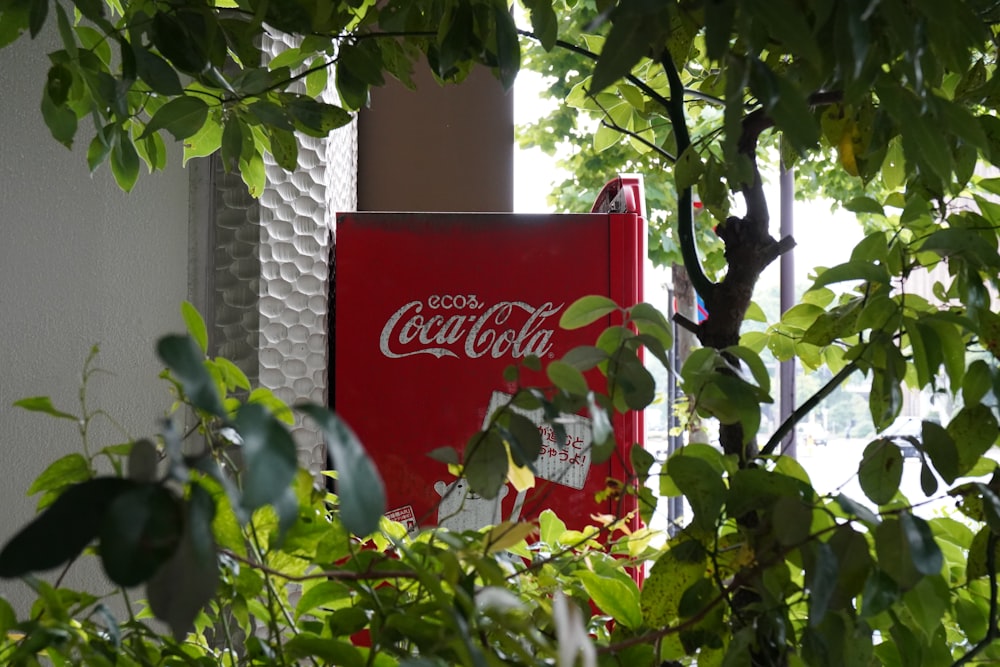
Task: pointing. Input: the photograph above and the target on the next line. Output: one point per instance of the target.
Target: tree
(902, 92)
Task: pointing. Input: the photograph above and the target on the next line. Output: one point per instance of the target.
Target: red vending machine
(429, 310)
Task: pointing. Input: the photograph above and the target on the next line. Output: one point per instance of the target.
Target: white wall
(80, 263)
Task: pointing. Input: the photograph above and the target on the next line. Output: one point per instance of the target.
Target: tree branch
(807, 407)
(609, 122)
(685, 209)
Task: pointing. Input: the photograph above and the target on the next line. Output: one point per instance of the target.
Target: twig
(685, 208)
(685, 323)
(800, 412)
(992, 632)
(367, 575)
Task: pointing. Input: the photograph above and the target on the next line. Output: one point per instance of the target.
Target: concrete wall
(80, 263)
(439, 148)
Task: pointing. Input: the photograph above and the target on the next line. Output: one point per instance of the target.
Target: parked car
(906, 432)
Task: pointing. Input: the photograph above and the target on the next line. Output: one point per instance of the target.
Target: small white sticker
(461, 509)
(405, 516)
(564, 463)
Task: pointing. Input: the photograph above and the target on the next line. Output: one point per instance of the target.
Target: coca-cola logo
(462, 325)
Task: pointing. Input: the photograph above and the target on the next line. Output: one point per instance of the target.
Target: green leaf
(233, 133)
(363, 60)
(177, 44)
(278, 407)
(862, 204)
(701, 485)
(638, 388)
(605, 137)
(550, 528)
(892, 545)
(195, 325)
(696, 597)
(316, 119)
(880, 592)
(186, 582)
(854, 270)
(352, 91)
(43, 404)
(447, 455)
(143, 459)
(97, 151)
(642, 461)
(926, 554)
(586, 310)
(688, 169)
(854, 561)
(61, 532)
(786, 23)
(755, 313)
(199, 526)
(317, 80)
(62, 472)
(8, 617)
(616, 596)
(544, 23)
(58, 84)
(926, 357)
(486, 463)
(949, 344)
(601, 425)
(284, 148)
(978, 564)
(322, 593)
(967, 243)
(650, 320)
(928, 481)
(141, 530)
(524, 439)
(977, 382)
(635, 26)
(508, 48)
(331, 651)
(755, 489)
(156, 72)
(821, 581)
(359, 486)
(184, 358)
(894, 166)
(232, 375)
(792, 520)
(880, 471)
(681, 565)
(124, 160)
(269, 455)
(60, 119)
(886, 398)
(585, 357)
(756, 365)
(567, 378)
(204, 142)
(856, 509)
(181, 117)
(973, 430)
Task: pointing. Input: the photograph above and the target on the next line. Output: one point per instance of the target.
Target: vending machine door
(429, 311)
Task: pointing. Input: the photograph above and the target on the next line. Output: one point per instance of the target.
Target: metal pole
(786, 181)
(675, 507)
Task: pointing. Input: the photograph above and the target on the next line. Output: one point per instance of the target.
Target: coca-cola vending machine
(429, 310)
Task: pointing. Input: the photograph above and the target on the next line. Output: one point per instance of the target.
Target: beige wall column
(439, 148)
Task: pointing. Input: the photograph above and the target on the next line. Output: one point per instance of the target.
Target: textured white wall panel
(270, 268)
